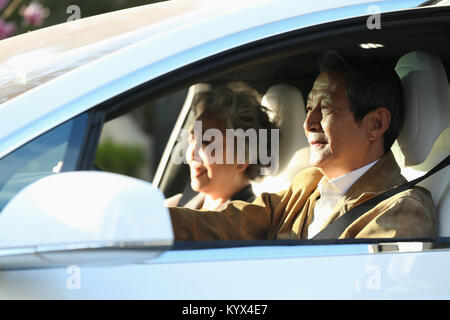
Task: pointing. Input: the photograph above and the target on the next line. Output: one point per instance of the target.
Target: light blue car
(71, 231)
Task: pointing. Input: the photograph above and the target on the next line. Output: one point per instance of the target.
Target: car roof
(45, 71)
(64, 47)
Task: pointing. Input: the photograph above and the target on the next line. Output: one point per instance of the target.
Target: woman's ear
(377, 122)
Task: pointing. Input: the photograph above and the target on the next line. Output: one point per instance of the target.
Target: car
(72, 229)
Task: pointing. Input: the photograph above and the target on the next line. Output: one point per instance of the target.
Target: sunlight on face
(208, 176)
(337, 142)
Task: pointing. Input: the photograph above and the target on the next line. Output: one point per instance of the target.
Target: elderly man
(354, 114)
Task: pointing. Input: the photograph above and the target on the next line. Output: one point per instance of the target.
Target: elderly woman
(218, 182)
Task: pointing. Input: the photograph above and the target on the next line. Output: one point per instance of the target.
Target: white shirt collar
(330, 193)
(338, 187)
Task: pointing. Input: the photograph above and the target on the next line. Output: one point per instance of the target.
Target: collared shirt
(330, 193)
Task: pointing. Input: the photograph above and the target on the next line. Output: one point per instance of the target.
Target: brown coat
(287, 214)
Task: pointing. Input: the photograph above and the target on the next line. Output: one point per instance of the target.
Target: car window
(297, 70)
(132, 144)
(53, 152)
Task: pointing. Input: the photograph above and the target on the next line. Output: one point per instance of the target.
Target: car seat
(425, 137)
(286, 101)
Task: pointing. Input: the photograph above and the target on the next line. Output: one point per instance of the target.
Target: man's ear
(377, 122)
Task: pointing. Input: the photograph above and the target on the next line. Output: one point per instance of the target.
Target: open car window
(132, 143)
(290, 61)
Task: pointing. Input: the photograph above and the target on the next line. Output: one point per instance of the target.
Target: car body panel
(332, 271)
(294, 272)
(64, 47)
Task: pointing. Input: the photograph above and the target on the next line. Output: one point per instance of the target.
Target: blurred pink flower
(3, 3)
(7, 29)
(34, 14)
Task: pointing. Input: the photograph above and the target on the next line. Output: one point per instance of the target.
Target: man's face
(338, 144)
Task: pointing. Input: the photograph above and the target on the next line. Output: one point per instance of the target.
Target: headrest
(427, 104)
(193, 90)
(287, 103)
(187, 105)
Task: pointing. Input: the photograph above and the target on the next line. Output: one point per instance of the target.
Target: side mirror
(82, 213)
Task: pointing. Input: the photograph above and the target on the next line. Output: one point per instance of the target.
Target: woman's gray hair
(238, 106)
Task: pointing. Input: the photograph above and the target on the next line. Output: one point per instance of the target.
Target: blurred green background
(120, 158)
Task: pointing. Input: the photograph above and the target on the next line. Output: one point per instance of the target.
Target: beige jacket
(287, 214)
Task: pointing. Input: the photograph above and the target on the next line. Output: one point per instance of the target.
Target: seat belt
(338, 226)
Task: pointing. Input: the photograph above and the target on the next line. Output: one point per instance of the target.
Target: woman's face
(208, 176)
